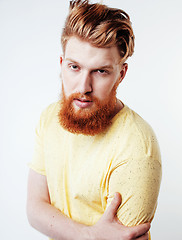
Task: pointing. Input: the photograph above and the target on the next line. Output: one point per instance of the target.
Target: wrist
(80, 232)
(87, 233)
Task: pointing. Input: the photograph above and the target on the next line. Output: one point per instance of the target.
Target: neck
(119, 106)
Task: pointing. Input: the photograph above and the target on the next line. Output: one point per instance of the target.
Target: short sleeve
(37, 163)
(138, 182)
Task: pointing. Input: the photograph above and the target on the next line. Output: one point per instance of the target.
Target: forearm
(51, 222)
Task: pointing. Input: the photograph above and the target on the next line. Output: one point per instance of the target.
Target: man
(96, 170)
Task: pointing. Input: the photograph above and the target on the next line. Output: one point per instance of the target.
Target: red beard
(87, 121)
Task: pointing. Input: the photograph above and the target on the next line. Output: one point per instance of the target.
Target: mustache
(81, 96)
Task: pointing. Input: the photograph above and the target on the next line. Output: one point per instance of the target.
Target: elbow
(29, 213)
(32, 214)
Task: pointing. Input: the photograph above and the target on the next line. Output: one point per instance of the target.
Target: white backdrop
(29, 76)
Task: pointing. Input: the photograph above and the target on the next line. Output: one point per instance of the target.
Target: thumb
(111, 211)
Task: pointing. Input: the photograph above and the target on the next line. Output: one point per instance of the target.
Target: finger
(144, 237)
(113, 207)
(140, 230)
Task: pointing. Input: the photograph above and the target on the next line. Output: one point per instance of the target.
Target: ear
(61, 60)
(123, 71)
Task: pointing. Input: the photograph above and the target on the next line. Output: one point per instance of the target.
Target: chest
(79, 165)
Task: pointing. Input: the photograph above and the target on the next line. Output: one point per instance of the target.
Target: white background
(29, 75)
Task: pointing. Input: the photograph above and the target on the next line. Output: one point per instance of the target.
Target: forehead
(84, 53)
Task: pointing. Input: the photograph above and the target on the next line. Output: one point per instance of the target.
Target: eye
(73, 67)
(102, 71)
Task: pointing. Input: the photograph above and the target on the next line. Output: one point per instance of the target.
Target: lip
(82, 103)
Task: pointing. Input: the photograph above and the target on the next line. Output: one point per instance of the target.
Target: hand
(109, 227)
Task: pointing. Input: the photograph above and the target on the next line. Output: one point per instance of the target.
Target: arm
(44, 217)
(51, 222)
(138, 182)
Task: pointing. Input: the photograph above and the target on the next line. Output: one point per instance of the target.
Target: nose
(85, 83)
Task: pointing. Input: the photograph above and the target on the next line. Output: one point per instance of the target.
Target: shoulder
(132, 122)
(129, 121)
(49, 113)
(141, 126)
(50, 109)
(136, 133)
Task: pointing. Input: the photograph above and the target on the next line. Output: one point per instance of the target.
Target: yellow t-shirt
(83, 172)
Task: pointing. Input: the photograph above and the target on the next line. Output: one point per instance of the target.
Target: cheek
(103, 89)
(68, 83)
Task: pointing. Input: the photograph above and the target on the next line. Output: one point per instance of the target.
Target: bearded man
(96, 169)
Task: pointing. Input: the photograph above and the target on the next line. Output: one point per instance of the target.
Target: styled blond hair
(99, 25)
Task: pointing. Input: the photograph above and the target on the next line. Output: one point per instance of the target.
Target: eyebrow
(100, 67)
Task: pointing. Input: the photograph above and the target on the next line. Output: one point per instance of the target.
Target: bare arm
(50, 221)
(44, 217)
